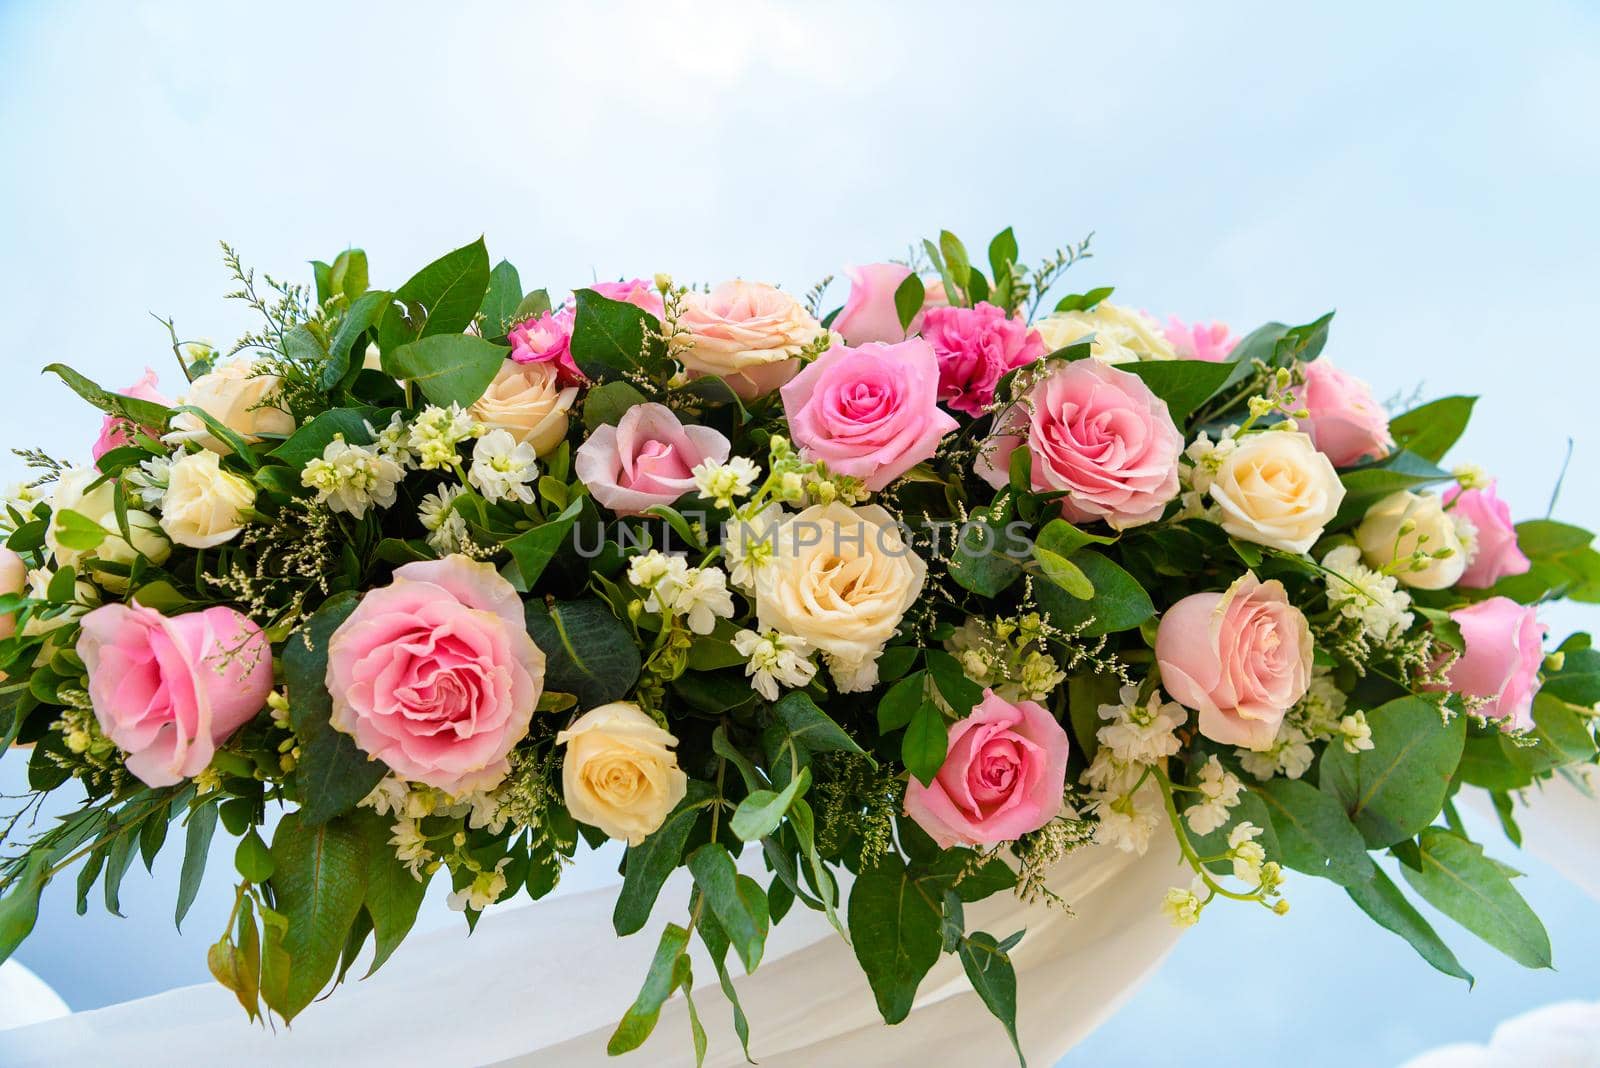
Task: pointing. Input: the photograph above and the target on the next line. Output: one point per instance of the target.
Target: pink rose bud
(1240, 658)
(1497, 553)
(1346, 424)
(1002, 777)
(1098, 433)
(1505, 646)
(1210, 342)
(435, 674)
(646, 459)
(870, 412)
(976, 347)
(115, 431)
(870, 313)
(169, 690)
(639, 292)
(547, 339)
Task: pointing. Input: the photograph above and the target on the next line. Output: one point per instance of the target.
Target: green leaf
(364, 314)
(1547, 539)
(737, 901)
(901, 702)
(759, 814)
(1183, 384)
(448, 368)
(393, 895)
(500, 300)
(1397, 787)
(993, 876)
(716, 943)
(608, 402)
(979, 562)
(960, 692)
(1119, 602)
(1002, 254)
(588, 651)
(534, 549)
(441, 299)
(1382, 900)
(1430, 430)
(1457, 879)
(348, 276)
(894, 928)
(308, 443)
(252, 858)
(197, 847)
(989, 969)
(1314, 834)
(19, 908)
(74, 530)
(1064, 573)
(1366, 486)
(810, 726)
(650, 862)
(958, 265)
(1061, 537)
(117, 864)
(908, 297)
(1083, 301)
(142, 412)
(659, 983)
(924, 745)
(612, 337)
(318, 885)
(332, 774)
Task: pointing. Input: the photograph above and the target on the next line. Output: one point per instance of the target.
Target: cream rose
(748, 334)
(147, 541)
(526, 401)
(204, 505)
(1121, 335)
(619, 772)
(239, 397)
(840, 578)
(1405, 524)
(75, 491)
(1276, 489)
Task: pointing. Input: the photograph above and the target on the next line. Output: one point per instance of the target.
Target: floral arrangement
(877, 613)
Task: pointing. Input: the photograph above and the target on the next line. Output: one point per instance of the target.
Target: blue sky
(1427, 169)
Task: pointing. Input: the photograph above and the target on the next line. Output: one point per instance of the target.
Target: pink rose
(1240, 658)
(1505, 646)
(1497, 553)
(976, 346)
(870, 412)
(435, 675)
(870, 314)
(116, 432)
(13, 580)
(1098, 433)
(636, 291)
(646, 459)
(547, 339)
(169, 690)
(1002, 777)
(1202, 341)
(1346, 424)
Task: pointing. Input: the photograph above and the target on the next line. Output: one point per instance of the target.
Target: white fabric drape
(25, 998)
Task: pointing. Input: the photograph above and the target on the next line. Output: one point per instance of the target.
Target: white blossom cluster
(1127, 800)
(698, 594)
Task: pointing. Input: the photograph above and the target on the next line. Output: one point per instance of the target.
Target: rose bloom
(13, 580)
(75, 491)
(1276, 489)
(748, 334)
(619, 772)
(840, 578)
(1121, 335)
(239, 397)
(636, 291)
(976, 346)
(1240, 658)
(169, 690)
(547, 338)
(1505, 647)
(435, 674)
(1202, 341)
(646, 459)
(147, 541)
(1002, 777)
(870, 412)
(1429, 529)
(527, 401)
(1497, 554)
(1345, 423)
(1098, 433)
(869, 313)
(204, 505)
(115, 431)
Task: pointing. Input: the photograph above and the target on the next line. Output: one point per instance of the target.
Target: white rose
(204, 505)
(239, 397)
(1276, 489)
(619, 772)
(748, 334)
(1121, 335)
(1427, 529)
(147, 541)
(526, 401)
(73, 494)
(840, 578)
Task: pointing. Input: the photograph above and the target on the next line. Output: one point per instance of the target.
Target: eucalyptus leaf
(1457, 879)
(1397, 787)
(737, 901)
(1383, 901)
(448, 368)
(318, 885)
(589, 652)
(895, 931)
(1314, 834)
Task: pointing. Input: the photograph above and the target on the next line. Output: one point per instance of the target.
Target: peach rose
(1405, 523)
(748, 334)
(528, 401)
(13, 580)
(619, 772)
(1276, 489)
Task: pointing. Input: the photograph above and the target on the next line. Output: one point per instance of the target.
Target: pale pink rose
(116, 432)
(1210, 342)
(13, 580)
(748, 334)
(169, 690)
(1346, 424)
(639, 292)
(870, 412)
(869, 312)
(547, 339)
(1098, 433)
(1240, 658)
(1505, 647)
(646, 459)
(435, 675)
(976, 347)
(1002, 776)
(1497, 553)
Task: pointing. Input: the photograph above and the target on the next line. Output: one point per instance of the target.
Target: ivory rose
(1344, 423)
(204, 505)
(1121, 335)
(116, 431)
(147, 540)
(870, 412)
(870, 313)
(976, 347)
(435, 675)
(1211, 342)
(76, 491)
(1504, 649)
(13, 580)
(1240, 658)
(547, 338)
(527, 401)
(242, 398)
(619, 772)
(1098, 433)
(169, 690)
(748, 334)
(646, 459)
(1003, 776)
(1495, 552)
(1276, 489)
(1406, 523)
(840, 578)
